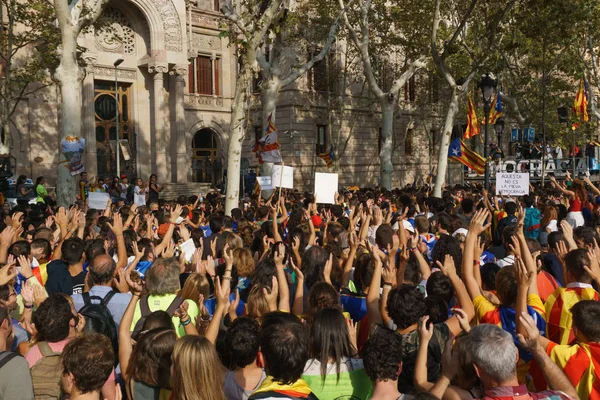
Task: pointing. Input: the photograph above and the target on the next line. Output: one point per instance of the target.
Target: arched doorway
(206, 161)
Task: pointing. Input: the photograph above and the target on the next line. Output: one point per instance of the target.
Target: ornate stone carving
(205, 42)
(116, 34)
(171, 24)
(90, 61)
(110, 72)
(198, 101)
(179, 70)
(205, 21)
(159, 69)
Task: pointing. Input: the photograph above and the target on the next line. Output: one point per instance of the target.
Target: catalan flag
(580, 105)
(328, 157)
(560, 319)
(458, 151)
(472, 123)
(581, 364)
(267, 147)
(496, 110)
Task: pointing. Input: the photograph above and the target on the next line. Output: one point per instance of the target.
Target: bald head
(102, 270)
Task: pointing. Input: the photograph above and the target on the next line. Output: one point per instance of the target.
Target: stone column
(89, 116)
(179, 151)
(159, 142)
(213, 58)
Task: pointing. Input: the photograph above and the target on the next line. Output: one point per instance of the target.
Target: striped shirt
(581, 364)
(353, 380)
(558, 308)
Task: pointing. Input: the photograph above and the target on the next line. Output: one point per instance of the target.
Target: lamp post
(118, 62)
(488, 87)
(563, 118)
(499, 127)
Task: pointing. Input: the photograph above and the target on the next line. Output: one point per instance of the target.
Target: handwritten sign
(514, 184)
(326, 185)
(98, 201)
(286, 181)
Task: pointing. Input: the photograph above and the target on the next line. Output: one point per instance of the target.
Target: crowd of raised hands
(381, 295)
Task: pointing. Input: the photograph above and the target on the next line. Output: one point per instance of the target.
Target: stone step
(174, 190)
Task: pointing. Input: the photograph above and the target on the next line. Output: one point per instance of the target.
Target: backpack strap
(5, 357)
(144, 306)
(107, 298)
(86, 298)
(175, 304)
(46, 350)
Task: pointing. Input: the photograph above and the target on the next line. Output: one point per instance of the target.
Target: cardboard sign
(514, 184)
(98, 200)
(326, 186)
(265, 182)
(188, 248)
(284, 179)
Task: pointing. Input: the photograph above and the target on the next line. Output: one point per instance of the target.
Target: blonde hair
(197, 370)
(257, 304)
(234, 241)
(243, 261)
(195, 285)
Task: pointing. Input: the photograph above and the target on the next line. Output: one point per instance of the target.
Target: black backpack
(145, 311)
(99, 319)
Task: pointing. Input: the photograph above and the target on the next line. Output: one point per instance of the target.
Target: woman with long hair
(154, 189)
(332, 370)
(22, 192)
(140, 190)
(197, 372)
(549, 223)
(578, 197)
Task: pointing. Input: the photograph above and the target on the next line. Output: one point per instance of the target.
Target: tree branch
(413, 67)
(512, 101)
(234, 19)
(460, 26)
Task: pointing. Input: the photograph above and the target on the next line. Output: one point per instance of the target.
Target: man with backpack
(101, 273)
(56, 322)
(15, 380)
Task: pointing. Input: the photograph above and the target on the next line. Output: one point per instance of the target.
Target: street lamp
(488, 88)
(499, 127)
(118, 62)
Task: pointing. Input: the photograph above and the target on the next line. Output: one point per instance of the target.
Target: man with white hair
(495, 357)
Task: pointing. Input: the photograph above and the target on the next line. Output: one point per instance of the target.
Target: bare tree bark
(69, 77)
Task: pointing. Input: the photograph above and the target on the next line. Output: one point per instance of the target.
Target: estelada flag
(458, 151)
(328, 157)
(580, 105)
(267, 147)
(496, 110)
(472, 123)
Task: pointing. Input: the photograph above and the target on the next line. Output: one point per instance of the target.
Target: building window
(204, 76)
(216, 5)
(257, 133)
(409, 89)
(408, 143)
(322, 139)
(322, 77)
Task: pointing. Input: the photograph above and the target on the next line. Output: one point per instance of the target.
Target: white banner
(513, 184)
(326, 186)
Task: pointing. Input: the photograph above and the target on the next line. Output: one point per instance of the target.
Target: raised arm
(373, 296)
(593, 187)
(167, 238)
(353, 241)
(560, 188)
(276, 235)
(449, 269)
(117, 228)
(284, 290)
(425, 334)
(125, 345)
(222, 291)
(298, 306)
(476, 227)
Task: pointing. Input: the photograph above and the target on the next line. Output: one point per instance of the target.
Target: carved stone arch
(205, 144)
(155, 23)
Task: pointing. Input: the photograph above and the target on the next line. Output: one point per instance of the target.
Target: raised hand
(448, 268)
(479, 223)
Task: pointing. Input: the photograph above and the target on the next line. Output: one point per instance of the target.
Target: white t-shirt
(559, 153)
(552, 225)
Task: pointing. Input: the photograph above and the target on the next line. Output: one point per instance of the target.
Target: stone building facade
(175, 87)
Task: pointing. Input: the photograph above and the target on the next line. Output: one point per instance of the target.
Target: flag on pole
(458, 151)
(267, 147)
(580, 105)
(496, 110)
(472, 123)
(328, 157)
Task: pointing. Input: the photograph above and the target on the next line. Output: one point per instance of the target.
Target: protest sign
(286, 181)
(326, 186)
(514, 184)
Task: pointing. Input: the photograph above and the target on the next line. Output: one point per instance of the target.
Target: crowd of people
(382, 295)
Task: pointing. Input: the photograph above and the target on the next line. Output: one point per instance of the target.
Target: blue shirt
(117, 304)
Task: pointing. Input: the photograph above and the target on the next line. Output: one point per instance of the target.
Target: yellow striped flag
(458, 151)
(580, 105)
(472, 123)
(328, 157)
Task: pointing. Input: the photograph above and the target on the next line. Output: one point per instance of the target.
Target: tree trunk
(269, 92)
(387, 132)
(236, 137)
(69, 77)
(442, 165)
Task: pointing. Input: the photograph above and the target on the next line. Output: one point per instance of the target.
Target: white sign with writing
(98, 201)
(265, 182)
(284, 179)
(514, 184)
(326, 186)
